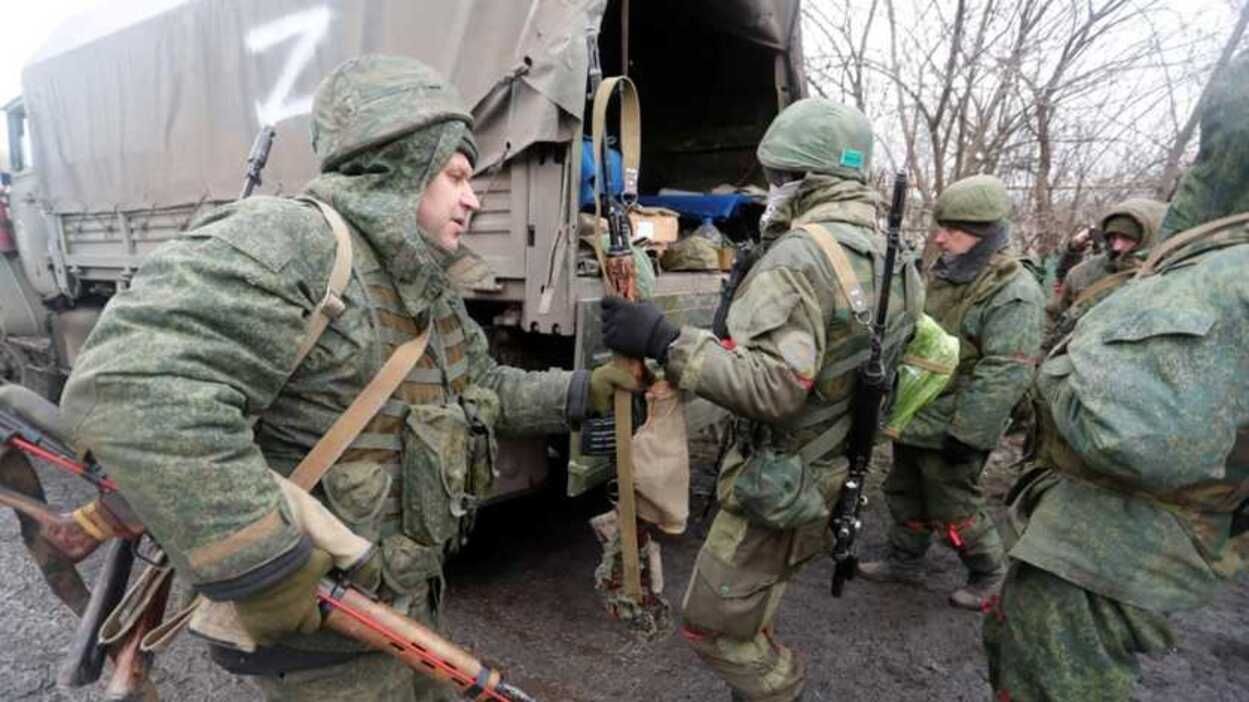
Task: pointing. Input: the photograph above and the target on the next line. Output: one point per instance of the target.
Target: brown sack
(661, 461)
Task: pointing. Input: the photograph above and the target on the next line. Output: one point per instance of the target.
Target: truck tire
(16, 366)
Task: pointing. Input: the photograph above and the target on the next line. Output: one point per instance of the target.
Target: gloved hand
(955, 451)
(288, 606)
(604, 381)
(637, 329)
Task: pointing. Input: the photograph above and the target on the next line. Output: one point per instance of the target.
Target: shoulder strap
(370, 401)
(366, 406)
(1108, 282)
(331, 305)
(842, 270)
(1183, 239)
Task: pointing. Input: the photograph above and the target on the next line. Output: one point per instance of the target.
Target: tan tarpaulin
(144, 103)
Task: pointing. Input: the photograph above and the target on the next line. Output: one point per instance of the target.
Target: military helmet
(972, 204)
(373, 99)
(815, 135)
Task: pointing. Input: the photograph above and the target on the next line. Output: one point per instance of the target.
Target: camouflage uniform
(994, 306)
(206, 337)
(1083, 287)
(1144, 451)
(789, 375)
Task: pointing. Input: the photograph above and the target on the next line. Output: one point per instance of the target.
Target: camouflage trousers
(927, 494)
(373, 676)
(1048, 639)
(737, 584)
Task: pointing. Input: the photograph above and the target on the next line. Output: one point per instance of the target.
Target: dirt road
(522, 596)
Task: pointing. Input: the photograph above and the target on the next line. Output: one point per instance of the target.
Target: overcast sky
(26, 26)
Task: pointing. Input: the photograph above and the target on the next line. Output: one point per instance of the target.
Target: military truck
(137, 115)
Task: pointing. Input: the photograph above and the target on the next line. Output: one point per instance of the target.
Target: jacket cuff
(261, 577)
(577, 402)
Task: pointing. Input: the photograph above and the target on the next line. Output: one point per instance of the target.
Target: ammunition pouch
(773, 489)
(449, 456)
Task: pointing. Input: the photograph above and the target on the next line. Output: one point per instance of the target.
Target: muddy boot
(894, 569)
(980, 549)
(976, 594)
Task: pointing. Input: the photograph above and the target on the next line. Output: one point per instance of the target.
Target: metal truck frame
(114, 152)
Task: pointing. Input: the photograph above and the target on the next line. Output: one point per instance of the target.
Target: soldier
(788, 373)
(206, 337)
(988, 299)
(1131, 510)
(1130, 228)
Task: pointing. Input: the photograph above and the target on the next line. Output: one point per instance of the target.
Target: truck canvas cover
(136, 102)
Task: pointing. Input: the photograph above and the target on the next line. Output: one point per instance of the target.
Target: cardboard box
(654, 224)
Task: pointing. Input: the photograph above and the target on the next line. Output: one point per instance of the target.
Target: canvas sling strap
(324, 454)
(1182, 239)
(852, 290)
(631, 155)
(630, 150)
(630, 137)
(370, 401)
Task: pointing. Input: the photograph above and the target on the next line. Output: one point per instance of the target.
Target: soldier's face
(448, 202)
(1119, 244)
(954, 241)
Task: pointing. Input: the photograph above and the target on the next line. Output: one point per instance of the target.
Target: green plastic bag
(928, 363)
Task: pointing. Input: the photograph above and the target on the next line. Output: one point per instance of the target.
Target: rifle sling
(842, 270)
(630, 136)
(331, 304)
(370, 401)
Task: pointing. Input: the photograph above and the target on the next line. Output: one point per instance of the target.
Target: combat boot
(894, 569)
(978, 591)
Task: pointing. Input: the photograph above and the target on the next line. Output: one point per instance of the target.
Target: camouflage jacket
(998, 318)
(796, 346)
(206, 337)
(1144, 446)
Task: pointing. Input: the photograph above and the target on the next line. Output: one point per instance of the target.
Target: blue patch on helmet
(852, 158)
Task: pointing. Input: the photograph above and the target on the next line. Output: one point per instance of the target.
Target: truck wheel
(16, 367)
(13, 366)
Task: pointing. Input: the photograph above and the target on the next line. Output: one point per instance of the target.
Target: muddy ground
(522, 596)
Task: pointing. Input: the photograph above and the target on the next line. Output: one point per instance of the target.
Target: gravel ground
(522, 596)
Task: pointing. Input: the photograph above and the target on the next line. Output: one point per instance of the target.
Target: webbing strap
(928, 364)
(826, 441)
(1183, 239)
(630, 137)
(842, 270)
(331, 305)
(1108, 282)
(366, 405)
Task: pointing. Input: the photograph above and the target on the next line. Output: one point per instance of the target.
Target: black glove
(637, 329)
(955, 451)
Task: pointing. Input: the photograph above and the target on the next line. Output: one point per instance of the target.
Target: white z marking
(310, 27)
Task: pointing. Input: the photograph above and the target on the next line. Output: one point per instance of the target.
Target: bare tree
(1065, 100)
(1171, 169)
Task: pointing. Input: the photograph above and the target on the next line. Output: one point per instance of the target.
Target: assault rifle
(346, 610)
(869, 396)
(742, 263)
(257, 158)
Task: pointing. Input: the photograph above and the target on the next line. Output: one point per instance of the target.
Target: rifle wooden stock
(356, 616)
(57, 528)
(85, 658)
